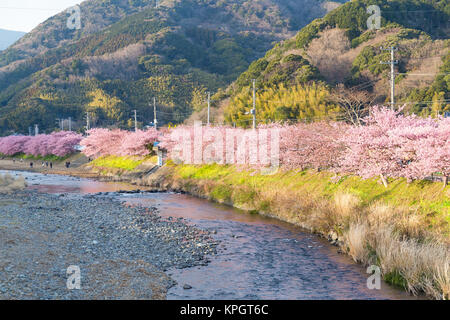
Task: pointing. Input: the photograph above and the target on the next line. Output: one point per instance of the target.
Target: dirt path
(76, 167)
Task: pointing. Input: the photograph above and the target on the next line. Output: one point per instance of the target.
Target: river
(258, 257)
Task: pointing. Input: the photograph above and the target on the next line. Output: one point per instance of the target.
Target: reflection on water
(262, 258)
(259, 257)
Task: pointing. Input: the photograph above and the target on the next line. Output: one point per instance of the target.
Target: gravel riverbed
(122, 252)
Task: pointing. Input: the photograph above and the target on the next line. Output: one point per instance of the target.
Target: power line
(364, 84)
(426, 58)
(37, 9)
(412, 11)
(177, 113)
(423, 74)
(423, 102)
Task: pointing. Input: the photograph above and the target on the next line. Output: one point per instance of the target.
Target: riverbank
(112, 168)
(404, 229)
(77, 167)
(122, 252)
(257, 257)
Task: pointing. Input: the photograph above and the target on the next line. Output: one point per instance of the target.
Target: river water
(258, 257)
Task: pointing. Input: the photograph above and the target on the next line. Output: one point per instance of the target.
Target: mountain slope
(130, 51)
(8, 37)
(342, 58)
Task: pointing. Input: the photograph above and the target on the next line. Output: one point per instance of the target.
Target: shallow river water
(258, 257)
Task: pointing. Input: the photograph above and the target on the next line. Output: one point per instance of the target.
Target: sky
(24, 15)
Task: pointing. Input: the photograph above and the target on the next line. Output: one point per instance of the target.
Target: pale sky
(24, 15)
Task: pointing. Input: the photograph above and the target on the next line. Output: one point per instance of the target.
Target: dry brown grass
(356, 239)
(8, 184)
(397, 239)
(407, 222)
(346, 205)
(423, 266)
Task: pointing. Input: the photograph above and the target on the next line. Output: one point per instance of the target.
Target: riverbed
(256, 257)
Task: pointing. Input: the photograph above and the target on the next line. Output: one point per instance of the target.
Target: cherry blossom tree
(57, 143)
(394, 145)
(315, 145)
(37, 146)
(138, 143)
(104, 142)
(63, 143)
(424, 148)
(223, 145)
(12, 145)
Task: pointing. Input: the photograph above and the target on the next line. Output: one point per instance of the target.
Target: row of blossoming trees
(58, 143)
(105, 142)
(388, 145)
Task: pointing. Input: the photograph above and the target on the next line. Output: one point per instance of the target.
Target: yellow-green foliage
(198, 98)
(114, 162)
(108, 104)
(309, 102)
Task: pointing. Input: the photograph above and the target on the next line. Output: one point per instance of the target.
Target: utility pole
(253, 112)
(29, 131)
(209, 106)
(70, 123)
(392, 63)
(135, 121)
(88, 124)
(155, 120)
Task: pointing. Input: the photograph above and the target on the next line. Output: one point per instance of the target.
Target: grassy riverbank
(125, 163)
(404, 228)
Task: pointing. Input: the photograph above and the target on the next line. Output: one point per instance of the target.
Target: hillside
(8, 37)
(128, 52)
(331, 68)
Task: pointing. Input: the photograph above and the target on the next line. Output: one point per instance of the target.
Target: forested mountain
(8, 37)
(129, 51)
(332, 69)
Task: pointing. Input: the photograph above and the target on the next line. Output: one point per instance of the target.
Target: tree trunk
(383, 179)
(445, 180)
